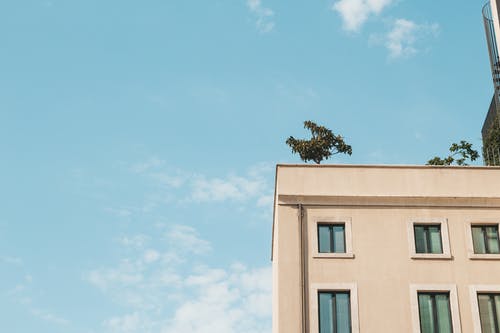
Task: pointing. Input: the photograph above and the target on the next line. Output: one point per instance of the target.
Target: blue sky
(138, 142)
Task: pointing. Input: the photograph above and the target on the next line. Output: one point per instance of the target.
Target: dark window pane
(485, 239)
(492, 239)
(478, 240)
(434, 313)
(331, 238)
(334, 312)
(435, 239)
(428, 238)
(426, 313)
(324, 238)
(443, 313)
(343, 313)
(489, 312)
(338, 239)
(325, 312)
(420, 240)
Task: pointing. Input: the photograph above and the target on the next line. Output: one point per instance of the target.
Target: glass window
(428, 238)
(334, 312)
(485, 239)
(434, 313)
(331, 238)
(489, 312)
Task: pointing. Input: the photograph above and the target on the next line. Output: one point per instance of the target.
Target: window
(428, 238)
(485, 239)
(434, 312)
(435, 309)
(485, 302)
(334, 312)
(333, 308)
(331, 238)
(489, 312)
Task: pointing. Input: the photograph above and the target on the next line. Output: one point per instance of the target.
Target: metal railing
(491, 156)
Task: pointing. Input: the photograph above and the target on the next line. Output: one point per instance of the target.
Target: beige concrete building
(386, 249)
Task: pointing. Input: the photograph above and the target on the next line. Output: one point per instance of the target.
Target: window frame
(313, 239)
(474, 291)
(470, 241)
(434, 288)
(314, 291)
(445, 239)
(331, 235)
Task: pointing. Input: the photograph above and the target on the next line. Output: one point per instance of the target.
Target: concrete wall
(379, 202)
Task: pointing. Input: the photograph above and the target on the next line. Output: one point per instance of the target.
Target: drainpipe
(303, 269)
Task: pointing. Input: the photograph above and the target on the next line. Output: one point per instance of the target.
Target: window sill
(432, 256)
(334, 255)
(485, 256)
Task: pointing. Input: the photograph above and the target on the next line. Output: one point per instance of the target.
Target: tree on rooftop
(323, 144)
(460, 153)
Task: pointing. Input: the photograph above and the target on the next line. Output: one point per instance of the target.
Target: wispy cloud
(49, 317)
(11, 260)
(225, 301)
(172, 184)
(205, 299)
(23, 293)
(222, 189)
(187, 239)
(355, 13)
(405, 37)
(264, 16)
(136, 241)
(127, 323)
(254, 185)
(151, 163)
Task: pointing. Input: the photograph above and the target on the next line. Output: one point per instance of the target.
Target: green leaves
(323, 144)
(491, 144)
(464, 152)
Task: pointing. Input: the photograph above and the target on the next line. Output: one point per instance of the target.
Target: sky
(139, 140)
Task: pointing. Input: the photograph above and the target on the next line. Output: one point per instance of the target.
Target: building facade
(380, 249)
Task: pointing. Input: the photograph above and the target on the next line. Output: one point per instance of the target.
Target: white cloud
(127, 323)
(49, 317)
(151, 256)
(183, 296)
(355, 13)
(128, 273)
(186, 239)
(169, 179)
(266, 201)
(23, 294)
(151, 163)
(119, 212)
(264, 15)
(136, 241)
(401, 40)
(11, 260)
(185, 186)
(253, 185)
(231, 188)
(225, 302)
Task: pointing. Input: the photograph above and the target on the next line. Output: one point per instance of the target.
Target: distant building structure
(491, 14)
